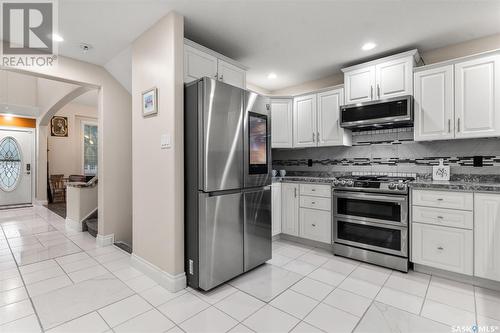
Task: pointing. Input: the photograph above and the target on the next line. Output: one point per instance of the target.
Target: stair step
(92, 226)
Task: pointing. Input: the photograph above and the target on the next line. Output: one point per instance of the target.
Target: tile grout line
(24, 283)
(321, 302)
(425, 296)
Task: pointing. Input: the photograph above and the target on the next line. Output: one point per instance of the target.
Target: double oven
(371, 226)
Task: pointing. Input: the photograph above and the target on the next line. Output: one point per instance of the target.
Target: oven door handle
(373, 197)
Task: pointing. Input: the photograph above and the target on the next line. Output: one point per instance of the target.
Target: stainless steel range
(370, 220)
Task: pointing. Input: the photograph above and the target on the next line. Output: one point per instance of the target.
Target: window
(89, 149)
(10, 164)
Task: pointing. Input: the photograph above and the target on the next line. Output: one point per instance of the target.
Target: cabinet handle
(314, 137)
(458, 125)
(371, 92)
(439, 217)
(378, 90)
(317, 136)
(439, 199)
(216, 76)
(313, 202)
(313, 189)
(440, 248)
(449, 125)
(295, 192)
(313, 225)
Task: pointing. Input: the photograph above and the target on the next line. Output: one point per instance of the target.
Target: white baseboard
(105, 240)
(40, 202)
(173, 283)
(74, 225)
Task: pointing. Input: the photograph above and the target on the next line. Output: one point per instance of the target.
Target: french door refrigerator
(227, 182)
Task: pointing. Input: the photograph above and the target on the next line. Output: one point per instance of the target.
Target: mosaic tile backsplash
(393, 151)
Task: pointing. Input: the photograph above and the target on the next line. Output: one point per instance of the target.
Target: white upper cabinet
(281, 123)
(359, 85)
(200, 61)
(380, 79)
(316, 120)
(329, 131)
(477, 97)
(434, 119)
(231, 74)
(304, 121)
(198, 64)
(487, 236)
(394, 78)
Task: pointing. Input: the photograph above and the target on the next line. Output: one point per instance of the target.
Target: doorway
(16, 167)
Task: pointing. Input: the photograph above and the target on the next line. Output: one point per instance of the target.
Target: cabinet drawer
(443, 199)
(316, 190)
(315, 225)
(315, 202)
(442, 216)
(442, 247)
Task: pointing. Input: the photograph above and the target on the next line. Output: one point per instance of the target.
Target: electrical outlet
(191, 267)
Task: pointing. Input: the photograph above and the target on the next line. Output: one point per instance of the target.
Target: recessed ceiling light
(57, 38)
(368, 46)
(272, 76)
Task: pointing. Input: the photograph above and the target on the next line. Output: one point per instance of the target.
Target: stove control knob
(350, 183)
(401, 186)
(392, 186)
(343, 182)
(335, 182)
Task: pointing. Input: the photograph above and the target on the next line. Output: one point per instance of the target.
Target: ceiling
(298, 40)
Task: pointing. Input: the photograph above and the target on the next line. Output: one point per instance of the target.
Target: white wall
(65, 153)
(158, 174)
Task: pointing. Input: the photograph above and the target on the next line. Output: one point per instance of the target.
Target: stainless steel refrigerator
(227, 135)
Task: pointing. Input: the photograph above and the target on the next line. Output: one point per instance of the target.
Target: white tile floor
(58, 280)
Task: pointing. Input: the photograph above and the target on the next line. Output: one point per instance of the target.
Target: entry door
(16, 149)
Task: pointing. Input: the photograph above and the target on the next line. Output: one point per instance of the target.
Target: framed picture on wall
(150, 102)
(59, 126)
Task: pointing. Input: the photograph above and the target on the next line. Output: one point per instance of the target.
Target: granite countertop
(304, 179)
(459, 185)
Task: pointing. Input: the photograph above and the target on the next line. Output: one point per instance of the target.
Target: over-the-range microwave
(387, 113)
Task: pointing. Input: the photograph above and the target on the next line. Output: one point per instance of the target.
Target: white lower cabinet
(290, 209)
(276, 208)
(487, 236)
(306, 211)
(315, 224)
(442, 247)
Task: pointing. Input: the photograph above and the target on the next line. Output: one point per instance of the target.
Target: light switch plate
(166, 141)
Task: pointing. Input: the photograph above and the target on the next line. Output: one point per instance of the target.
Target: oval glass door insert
(10, 164)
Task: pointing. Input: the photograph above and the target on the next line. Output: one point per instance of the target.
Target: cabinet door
(445, 248)
(231, 74)
(290, 209)
(434, 104)
(304, 121)
(359, 85)
(281, 123)
(487, 236)
(477, 97)
(329, 131)
(316, 225)
(198, 64)
(276, 208)
(394, 78)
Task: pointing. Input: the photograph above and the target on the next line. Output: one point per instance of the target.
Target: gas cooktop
(397, 185)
